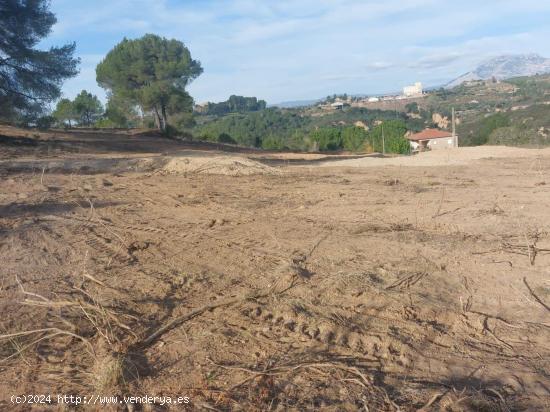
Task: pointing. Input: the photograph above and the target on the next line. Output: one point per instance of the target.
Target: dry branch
(539, 300)
(279, 370)
(196, 312)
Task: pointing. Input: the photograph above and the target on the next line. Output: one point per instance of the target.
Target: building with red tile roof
(432, 139)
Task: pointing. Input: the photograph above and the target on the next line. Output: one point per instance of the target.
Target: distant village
(414, 91)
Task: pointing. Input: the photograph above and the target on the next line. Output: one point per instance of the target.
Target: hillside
(513, 112)
(519, 107)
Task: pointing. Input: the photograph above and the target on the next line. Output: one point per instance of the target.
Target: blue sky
(282, 50)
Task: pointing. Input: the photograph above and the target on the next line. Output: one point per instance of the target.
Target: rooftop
(428, 134)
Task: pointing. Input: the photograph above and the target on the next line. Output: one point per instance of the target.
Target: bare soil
(144, 266)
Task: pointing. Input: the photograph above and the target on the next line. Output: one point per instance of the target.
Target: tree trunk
(164, 118)
(157, 118)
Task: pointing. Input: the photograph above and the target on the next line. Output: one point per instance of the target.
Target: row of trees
(276, 129)
(85, 109)
(235, 104)
(386, 137)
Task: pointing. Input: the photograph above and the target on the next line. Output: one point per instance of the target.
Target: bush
(105, 123)
(171, 132)
(45, 122)
(412, 108)
(226, 138)
(327, 139)
(273, 143)
(183, 121)
(390, 137)
(353, 138)
(399, 145)
(488, 126)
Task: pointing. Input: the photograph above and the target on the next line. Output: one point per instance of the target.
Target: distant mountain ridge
(506, 67)
(295, 104)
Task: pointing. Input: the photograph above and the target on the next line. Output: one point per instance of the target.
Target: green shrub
(353, 138)
(390, 137)
(488, 126)
(273, 143)
(45, 122)
(105, 123)
(327, 139)
(226, 138)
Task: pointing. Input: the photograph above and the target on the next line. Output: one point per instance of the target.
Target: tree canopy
(250, 129)
(235, 104)
(389, 136)
(353, 138)
(153, 72)
(30, 77)
(87, 107)
(120, 112)
(64, 112)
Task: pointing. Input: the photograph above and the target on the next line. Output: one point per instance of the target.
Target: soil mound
(218, 165)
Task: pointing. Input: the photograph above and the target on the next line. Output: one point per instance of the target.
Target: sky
(284, 50)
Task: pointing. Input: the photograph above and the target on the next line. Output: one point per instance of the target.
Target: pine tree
(30, 77)
(87, 107)
(153, 72)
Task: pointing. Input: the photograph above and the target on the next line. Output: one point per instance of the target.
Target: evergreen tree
(64, 112)
(389, 137)
(353, 138)
(153, 72)
(87, 107)
(121, 112)
(30, 77)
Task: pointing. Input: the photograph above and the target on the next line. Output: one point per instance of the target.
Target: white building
(413, 91)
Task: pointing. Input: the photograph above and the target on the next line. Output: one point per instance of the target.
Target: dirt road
(182, 271)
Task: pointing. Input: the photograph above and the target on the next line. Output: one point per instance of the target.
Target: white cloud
(379, 65)
(436, 61)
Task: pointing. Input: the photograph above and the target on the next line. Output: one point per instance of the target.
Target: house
(338, 105)
(432, 139)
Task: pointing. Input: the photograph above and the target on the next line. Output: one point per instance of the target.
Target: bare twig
(440, 203)
(279, 370)
(432, 400)
(194, 313)
(539, 300)
(407, 281)
(28, 293)
(55, 332)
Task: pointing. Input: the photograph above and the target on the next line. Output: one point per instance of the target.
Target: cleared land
(254, 281)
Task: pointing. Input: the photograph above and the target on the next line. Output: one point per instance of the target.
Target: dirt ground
(134, 265)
